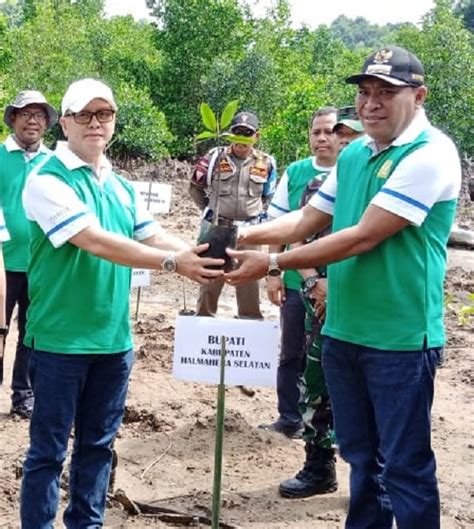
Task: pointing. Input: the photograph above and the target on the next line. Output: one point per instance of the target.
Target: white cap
(82, 92)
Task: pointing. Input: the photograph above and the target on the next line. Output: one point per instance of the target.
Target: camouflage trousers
(314, 404)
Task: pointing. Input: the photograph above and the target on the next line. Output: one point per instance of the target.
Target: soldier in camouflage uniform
(247, 183)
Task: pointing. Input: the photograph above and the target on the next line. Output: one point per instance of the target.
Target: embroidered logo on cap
(383, 56)
(379, 68)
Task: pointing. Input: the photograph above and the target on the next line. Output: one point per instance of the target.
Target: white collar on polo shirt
(72, 161)
(11, 145)
(414, 129)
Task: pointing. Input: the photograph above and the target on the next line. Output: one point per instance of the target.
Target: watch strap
(273, 267)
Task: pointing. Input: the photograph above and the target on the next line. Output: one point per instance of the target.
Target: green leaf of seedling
(238, 139)
(206, 135)
(208, 117)
(228, 113)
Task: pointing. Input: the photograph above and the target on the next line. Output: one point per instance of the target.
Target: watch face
(274, 272)
(169, 264)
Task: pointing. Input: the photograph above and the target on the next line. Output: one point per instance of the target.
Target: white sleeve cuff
(60, 234)
(412, 213)
(323, 202)
(146, 229)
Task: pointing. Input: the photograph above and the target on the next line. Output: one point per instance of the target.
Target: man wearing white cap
(87, 229)
(29, 116)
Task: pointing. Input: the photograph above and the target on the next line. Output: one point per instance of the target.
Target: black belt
(223, 221)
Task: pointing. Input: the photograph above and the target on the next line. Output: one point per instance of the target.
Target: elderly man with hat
(392, 199)
(28, 117)
(88, 227)
(241, 195)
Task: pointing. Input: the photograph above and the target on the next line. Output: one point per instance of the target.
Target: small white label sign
(252, 350)
(156, 197)
(140, 277)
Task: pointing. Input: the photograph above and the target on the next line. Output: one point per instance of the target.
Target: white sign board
(252, 350)
(140, 277)
(157, 198)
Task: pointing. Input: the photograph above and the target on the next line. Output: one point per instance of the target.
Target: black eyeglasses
(244, 131)
(84, 117)
(39, 116)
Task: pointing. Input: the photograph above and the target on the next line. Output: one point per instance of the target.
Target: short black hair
(323, 111)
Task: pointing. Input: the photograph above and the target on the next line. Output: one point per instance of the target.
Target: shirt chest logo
(384, 171)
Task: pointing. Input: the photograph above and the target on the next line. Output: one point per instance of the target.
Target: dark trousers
(87, 392)
(381, 402)
(17, 294)
(292, 358)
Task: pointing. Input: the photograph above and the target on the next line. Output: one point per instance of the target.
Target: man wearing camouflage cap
(29, 116)
(348, 127)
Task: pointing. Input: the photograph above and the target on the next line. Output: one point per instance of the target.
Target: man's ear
(420, 95)
(63, 123)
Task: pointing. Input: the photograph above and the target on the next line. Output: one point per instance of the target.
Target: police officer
(241, 196)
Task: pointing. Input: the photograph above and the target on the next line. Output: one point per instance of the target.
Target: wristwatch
(169, 263)
(309, 283)
(273, 269)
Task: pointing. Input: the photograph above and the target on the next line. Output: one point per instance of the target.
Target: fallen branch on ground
(164, 514)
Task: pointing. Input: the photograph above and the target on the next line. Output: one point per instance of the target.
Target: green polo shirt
(79, 303)
(14, 169)
(391, 297)
(300, 173)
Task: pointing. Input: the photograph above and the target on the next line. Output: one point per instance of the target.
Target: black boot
(318, 475)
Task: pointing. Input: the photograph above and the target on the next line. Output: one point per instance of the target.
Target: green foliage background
(217, 51)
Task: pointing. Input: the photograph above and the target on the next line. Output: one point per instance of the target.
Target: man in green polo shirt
(88, 227)
(285, 292)
(29, 116)
(318, 475)
(392, 200)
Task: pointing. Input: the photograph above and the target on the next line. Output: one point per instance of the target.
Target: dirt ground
(166, 445)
